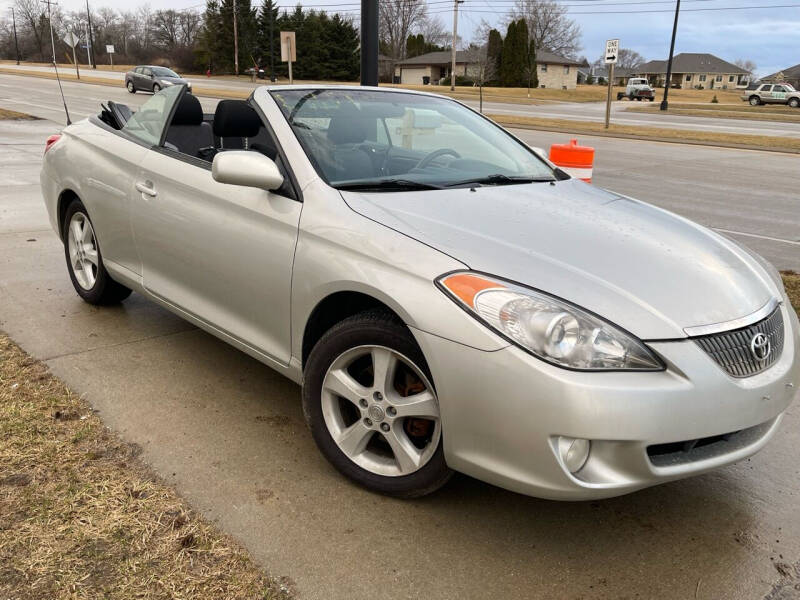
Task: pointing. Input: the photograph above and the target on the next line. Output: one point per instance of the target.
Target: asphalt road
(579, 111)
(228, 432)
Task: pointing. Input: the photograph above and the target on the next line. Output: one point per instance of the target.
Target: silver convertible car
(447, 298)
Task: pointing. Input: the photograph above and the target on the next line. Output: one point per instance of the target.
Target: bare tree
(190, 23)
(548, 26)
(33, 22)
(398, 18)
(434, 31)
(166, 29)
(746, 64)
(480, 67)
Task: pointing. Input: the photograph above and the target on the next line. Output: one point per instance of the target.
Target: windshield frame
(556, 174)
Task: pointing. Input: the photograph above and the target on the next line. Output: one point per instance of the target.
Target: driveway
(228, 433)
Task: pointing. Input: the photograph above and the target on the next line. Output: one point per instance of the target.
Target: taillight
(50, 141)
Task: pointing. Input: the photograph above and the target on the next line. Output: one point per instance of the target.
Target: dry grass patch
(711, 138)
(6, 114)
(82, 517)
(791, 280)
(728, 112)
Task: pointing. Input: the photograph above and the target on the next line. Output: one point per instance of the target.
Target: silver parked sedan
(447, 298)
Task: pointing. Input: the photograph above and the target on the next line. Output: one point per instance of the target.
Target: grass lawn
(791, 280)
(712, 138)
(82, 517)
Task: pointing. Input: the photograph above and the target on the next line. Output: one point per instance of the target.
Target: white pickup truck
(638, 89)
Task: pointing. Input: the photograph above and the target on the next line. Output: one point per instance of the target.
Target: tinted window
(147, 124)
(766, 88)
(164, 72)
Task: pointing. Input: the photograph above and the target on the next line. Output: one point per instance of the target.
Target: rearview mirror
(248, 168)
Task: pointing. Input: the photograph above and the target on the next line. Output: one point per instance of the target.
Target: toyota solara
(447, 298)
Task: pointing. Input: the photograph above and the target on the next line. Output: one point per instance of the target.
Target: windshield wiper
(499, 179)
(388, 184)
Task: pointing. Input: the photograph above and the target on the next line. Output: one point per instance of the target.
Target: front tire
(85, 262)
(372, 409)
(156, 88)
(131, 87)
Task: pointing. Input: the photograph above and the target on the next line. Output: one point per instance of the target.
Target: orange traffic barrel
(575, 160)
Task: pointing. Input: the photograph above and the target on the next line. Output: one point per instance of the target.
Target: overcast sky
(767, 36)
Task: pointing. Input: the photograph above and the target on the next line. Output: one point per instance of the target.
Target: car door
(778, 94)
(109, 171)
(765, 93)
(221, 253)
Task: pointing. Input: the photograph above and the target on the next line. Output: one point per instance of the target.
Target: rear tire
(131, 87)
(755, 100)
(794, 102)
(387, 427)
(85, 262)
(156, 88)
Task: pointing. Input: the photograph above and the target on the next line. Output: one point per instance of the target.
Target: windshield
(403, 140)
(164, 72)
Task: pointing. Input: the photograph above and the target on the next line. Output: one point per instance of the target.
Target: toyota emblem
(760, 346)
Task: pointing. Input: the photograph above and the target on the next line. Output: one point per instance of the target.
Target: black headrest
(236, 118)
(189, 111)
(347, 130)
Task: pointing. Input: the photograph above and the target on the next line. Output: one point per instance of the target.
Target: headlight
(547, 327)
(166, 83)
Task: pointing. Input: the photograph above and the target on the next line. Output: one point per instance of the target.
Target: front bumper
(503, 414)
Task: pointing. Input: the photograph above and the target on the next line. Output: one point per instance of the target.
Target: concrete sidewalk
(228, 433)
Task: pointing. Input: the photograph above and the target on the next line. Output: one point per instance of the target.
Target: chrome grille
(731, 349)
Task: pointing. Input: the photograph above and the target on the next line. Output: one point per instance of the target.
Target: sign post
(110, 52)
(611, 56)
(72, 40)
(288, 50)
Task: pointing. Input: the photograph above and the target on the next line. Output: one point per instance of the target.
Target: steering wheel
(429, 158)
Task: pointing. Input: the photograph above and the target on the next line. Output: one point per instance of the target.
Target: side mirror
(247, 168)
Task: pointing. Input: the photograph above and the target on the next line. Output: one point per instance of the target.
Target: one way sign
(612, 51)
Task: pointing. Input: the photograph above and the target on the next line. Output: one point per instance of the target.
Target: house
(790, 75)
(553, 71)
(429, 68)
(695, 70)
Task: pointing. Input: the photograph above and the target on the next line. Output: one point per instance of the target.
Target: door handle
(146, 188)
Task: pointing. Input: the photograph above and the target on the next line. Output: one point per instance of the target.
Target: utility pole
(16, 43)
(668, 82)
(235, 41)
(88, 45)
(369, 42)
(271, 42)
(453, 52)
(91, 36)
(50, 22)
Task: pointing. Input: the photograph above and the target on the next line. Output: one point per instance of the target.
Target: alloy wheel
(381, 410)
(83, 255)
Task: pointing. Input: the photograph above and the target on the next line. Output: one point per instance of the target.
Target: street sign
(612, 52)
(109, 49)
(71, 39)
(288, 47)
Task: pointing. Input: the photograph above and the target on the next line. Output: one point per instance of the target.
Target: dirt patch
(791, 281)
(6, 114)
(83, 517)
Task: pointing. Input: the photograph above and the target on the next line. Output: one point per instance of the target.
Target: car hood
(643, 268)
(174, 79)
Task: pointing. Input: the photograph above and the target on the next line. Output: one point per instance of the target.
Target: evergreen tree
(515, 48)
(494, 52)
(269, 46)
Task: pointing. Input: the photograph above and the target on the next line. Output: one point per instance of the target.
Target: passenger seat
(187, 131)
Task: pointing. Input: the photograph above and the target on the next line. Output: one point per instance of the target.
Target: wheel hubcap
(381, 410)
(82, 247)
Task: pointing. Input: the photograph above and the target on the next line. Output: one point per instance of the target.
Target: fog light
(574, 452)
